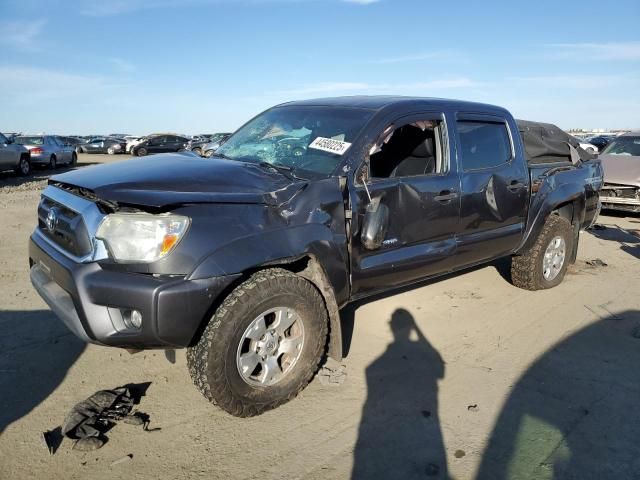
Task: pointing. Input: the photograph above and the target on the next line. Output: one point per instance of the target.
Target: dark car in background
(103, 145)
(601, 141)
(160, 144)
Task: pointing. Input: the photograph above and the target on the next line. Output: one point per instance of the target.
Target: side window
(3, 139)
(484, 144)
(418, 148)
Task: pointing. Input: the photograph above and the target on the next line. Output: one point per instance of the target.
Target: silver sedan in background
(48, 150)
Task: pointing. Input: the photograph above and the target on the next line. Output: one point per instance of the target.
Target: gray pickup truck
(14, 157)
(246, 257)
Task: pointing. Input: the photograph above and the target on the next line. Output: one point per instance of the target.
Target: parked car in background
(74, 142)
(104, 145)
(160, 144)
(48, 150)
(132, 142)
(14, 157)
(200, 146)
(586, 146)
(210, 148)
(621, 163)
(601, 141)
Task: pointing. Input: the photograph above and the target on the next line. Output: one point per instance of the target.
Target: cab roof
(379, 102)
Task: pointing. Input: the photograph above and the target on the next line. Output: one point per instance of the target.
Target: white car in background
(587, 146)
(132, 142)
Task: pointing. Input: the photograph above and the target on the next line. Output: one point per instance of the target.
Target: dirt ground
(466, 377)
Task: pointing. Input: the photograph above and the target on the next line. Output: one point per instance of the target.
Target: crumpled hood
(621, 169)
(175, 178)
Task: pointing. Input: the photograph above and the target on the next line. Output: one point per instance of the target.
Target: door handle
(445, 196)
(515, 185)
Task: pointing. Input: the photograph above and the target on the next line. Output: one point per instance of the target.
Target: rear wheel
(263, 344)
(74, 159)
(544, 265)
(24, 166)
(111, 151)
(208, 153)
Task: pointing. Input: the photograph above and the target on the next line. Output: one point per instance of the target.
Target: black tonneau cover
(546, 143)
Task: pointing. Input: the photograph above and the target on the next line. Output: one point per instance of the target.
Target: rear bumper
(91, 300)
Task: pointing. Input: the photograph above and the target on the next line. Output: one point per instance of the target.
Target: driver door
(417, 181)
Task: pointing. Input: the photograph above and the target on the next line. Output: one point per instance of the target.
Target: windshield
(624, 146)
(311, 138)
(29, 140)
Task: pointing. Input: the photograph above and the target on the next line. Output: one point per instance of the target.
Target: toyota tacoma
(247, 257)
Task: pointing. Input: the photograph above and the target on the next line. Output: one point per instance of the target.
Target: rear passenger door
(494, 188)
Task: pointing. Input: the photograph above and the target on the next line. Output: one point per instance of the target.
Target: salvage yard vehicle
(621, 163)
(48, 150)
(103, 145)
(160, 144)
(247, 260)
(14, 157)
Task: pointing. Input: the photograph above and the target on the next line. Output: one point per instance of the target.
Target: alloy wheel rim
(24, 166)
(554, 257)
(270, 347)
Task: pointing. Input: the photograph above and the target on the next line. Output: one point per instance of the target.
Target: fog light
(132, 319)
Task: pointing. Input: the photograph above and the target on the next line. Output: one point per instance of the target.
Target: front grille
(68, 231)
(620, 191)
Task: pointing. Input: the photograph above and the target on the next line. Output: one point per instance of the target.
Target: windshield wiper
(286, 170)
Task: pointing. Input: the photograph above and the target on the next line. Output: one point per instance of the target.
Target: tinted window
(3, 139)
(484, 144)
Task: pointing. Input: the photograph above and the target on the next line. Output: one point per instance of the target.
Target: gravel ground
(467, 377)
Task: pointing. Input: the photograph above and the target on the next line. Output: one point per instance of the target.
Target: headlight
(141, 237)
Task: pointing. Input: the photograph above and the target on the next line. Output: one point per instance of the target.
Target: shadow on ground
(399, 434)
(628, 239)
(36, 351)
(574, 413)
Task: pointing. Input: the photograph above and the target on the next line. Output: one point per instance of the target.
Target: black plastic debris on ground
(596, 262)
(89, 420)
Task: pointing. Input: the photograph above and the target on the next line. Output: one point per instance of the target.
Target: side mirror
(374, 226)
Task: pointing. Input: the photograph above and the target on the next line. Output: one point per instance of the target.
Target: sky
(201, 66)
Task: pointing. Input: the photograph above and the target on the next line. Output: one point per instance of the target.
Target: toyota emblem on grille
(52, 220)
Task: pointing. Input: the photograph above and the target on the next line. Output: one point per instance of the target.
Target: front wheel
(209, 153)
(53, 163)
(544, 265)
(74, 159)
(141, 152)
(197, 151)
(111, 151)
(263, 344)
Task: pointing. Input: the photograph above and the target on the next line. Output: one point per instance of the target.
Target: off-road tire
(212, 360)
(526, 268)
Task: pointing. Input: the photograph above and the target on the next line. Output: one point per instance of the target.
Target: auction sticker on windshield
(329, 145)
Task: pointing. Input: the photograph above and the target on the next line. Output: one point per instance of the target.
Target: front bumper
(623, 204)
(90, 300)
